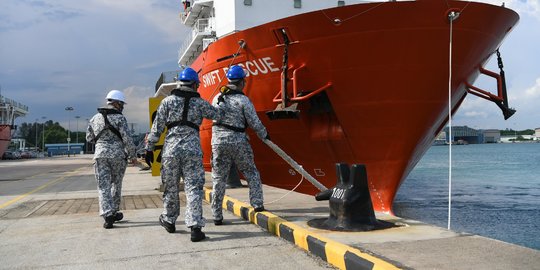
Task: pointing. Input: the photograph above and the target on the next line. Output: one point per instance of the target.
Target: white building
(491, 136)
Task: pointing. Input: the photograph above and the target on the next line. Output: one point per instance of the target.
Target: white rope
(242, 45)
(451, 18)
(289, 192)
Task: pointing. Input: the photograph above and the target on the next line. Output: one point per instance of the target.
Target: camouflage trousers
(191, 169)
(222, 157)
(109, 174)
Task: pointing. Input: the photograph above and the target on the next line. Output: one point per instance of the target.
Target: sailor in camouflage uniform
(108, 129)
(230, 143)
(182, 112)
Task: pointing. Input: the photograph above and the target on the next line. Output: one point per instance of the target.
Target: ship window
(247, 2)
(297, 3)
(340, 3)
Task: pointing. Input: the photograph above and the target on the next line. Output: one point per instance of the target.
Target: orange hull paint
(388, 69)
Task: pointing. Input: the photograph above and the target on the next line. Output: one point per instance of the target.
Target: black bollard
(351, 208)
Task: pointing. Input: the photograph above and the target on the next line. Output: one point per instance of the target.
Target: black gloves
(267, 136)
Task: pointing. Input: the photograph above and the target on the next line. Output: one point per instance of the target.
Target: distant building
(467, 135)
(54, 149)
(463, 134)
(491, 136)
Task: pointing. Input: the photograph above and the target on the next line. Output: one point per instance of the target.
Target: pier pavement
(49, 220)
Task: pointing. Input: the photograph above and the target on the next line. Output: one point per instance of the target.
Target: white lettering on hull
(253, 68)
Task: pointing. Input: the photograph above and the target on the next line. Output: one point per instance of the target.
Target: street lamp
(68, 109)
(35, 144)
(77, 138)
(43, 134)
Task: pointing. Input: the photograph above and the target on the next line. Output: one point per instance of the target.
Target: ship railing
(202, 28)
(296, 93)
(15, 104)
(500, 99)
(195, 9)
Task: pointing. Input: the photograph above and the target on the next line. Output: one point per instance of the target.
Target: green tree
(54, 133)
(28, 132)
(55, 136)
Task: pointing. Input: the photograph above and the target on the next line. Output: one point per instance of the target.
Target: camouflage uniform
(110, 157)
(182, 154)
(229, 145)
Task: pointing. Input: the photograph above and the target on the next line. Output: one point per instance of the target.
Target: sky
(63, 53)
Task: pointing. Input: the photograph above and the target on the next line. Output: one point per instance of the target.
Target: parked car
(8, 155)
(26, 154)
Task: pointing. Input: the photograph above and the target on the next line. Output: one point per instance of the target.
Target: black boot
(259, 209)
(118, 216)
(218, 222)
(108, 222)
(196, 234)
(171, 228)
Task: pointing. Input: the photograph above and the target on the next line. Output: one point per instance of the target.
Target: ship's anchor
(283, 111)
(501, 99)
(351, 208)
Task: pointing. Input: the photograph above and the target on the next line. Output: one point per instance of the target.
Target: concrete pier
(49, 219)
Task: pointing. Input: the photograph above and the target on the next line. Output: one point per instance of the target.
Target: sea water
(495, 191)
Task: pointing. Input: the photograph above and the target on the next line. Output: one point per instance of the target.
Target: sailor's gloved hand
(267, 136)
(149, 155)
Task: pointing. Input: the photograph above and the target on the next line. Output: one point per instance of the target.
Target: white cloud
(530, 7)
(534, 91)
(156, 13)
(475, 114)
(136, 111)
(68, 53)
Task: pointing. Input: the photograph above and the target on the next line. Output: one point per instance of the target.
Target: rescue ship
(9, 110)
(346, 81)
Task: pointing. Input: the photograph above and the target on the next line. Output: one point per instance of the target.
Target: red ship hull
(382, 75)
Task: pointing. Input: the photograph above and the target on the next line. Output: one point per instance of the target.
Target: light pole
(77, 138)
(43, 134)
(35, 144)
(68, 109)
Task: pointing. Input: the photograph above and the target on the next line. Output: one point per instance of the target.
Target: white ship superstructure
(211, 20)
(10, 109)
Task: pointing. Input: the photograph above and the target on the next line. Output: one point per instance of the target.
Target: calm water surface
(495, 191)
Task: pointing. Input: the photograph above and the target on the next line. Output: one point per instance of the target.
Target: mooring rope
(241, 44)
(288, 192)
(451, 16)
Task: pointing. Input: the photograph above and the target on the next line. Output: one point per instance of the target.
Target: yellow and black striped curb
(335, 253)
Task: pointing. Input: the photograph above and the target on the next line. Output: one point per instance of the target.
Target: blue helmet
(188, 75)
(236, 73)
